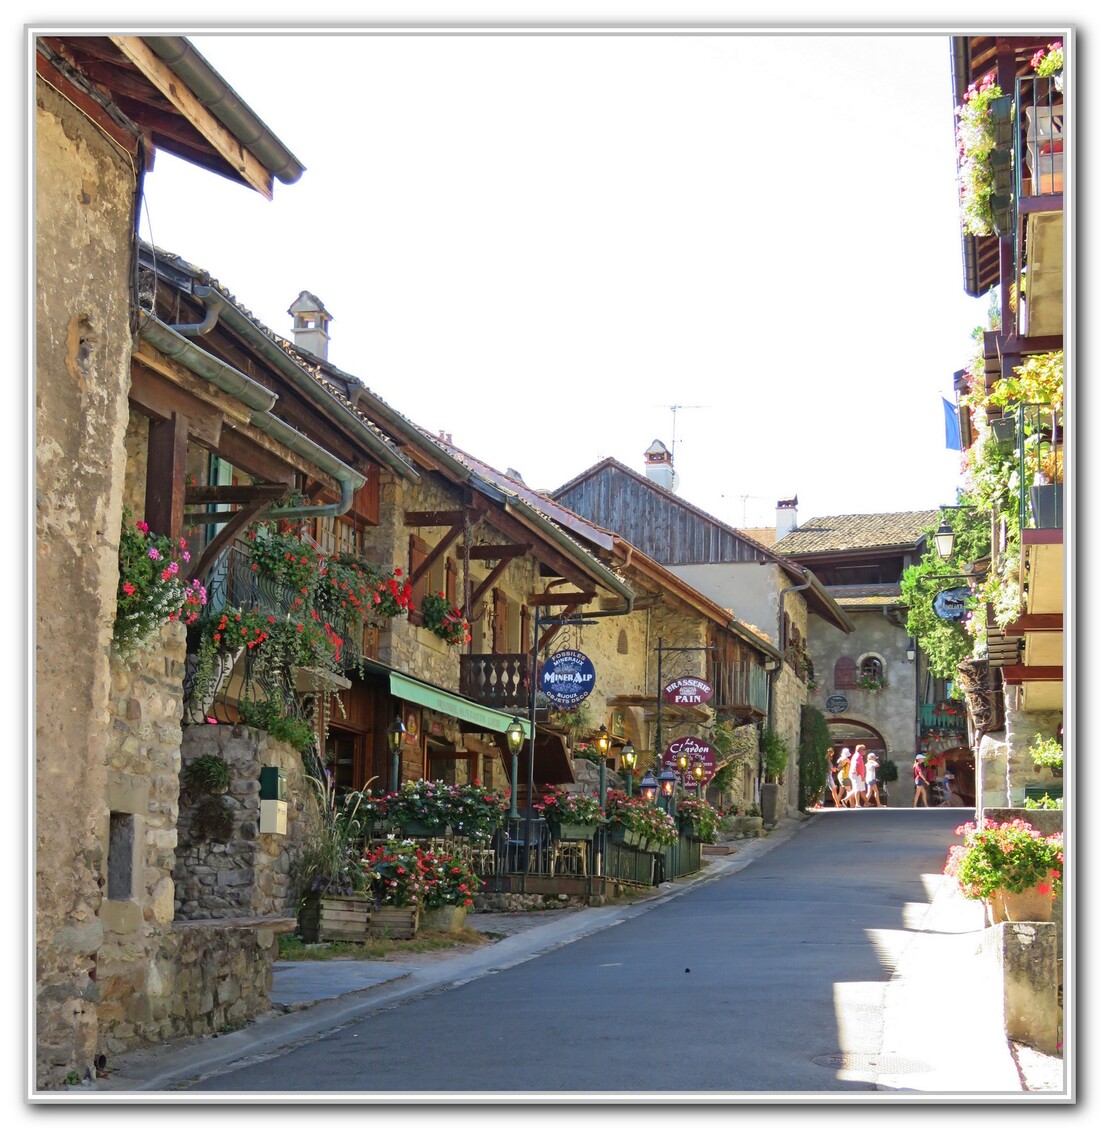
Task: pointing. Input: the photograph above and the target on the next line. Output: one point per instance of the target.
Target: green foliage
(776, 754)
(211, 820)
(699, 818)
(270, 715)
(329, 861)
(1046, 752)
(206, 775)
(813, 743)
(560, 805)
(974, 135)
(1044, 803)
(444, 619)
(945, 644)
(888, 771)
(1012, 856)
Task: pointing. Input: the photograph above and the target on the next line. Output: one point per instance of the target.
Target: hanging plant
(974, 135)
(206, 775)
(442, 618)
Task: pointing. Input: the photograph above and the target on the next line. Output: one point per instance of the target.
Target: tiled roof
(866, 595)
(764, 535)
(857, 531)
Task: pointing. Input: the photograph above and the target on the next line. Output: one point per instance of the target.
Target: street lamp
(648, 786)
(698, 771)
(603, 745)
(666, 783)
(629, 756)
(514, 735)
(911, 650)
(945, 540)
(395, 734)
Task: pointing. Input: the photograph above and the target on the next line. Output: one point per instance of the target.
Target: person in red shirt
(920, 781)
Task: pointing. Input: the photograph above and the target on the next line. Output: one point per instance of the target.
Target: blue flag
(951, 425)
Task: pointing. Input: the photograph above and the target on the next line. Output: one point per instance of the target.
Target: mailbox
(273, 784)
(273, 816)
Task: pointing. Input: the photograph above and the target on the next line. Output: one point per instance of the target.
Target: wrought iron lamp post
(395, 734)
(603, 746)
(648, 786)
(666, 783)
(698, 771)
(514, 735)
(629, 756)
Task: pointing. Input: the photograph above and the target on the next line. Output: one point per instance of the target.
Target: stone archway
(847, 733)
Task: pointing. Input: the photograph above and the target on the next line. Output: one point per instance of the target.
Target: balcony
(741, 687)
(936, 717)
(498, 681)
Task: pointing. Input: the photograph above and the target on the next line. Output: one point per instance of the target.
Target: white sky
(541, 243)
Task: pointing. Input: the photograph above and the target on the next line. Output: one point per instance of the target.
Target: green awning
(489, 720)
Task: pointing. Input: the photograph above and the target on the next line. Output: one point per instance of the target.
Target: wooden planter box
(397, 924)
(335, 918)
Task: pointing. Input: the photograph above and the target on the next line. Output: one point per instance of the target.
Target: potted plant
(449, 887)
(328, 872)
(872, 683)
(1048, 62)
(420, 809)
(1010, 866)
(570, 814)
(442, 618)
(623, 822)
(775, 754)
(150, 591)
(398, 874)
(697, 819)
(475, 812)
(1046, 752)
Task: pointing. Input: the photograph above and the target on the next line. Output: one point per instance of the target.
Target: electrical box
(273, 784)
(273, 816)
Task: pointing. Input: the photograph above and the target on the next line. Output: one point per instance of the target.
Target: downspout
(254, 395)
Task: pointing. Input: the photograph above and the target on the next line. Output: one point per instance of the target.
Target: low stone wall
(209, 977)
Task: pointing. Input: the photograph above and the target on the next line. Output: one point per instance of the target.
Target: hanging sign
(688, 691)
(836, 703)
(698, 752)
(567, 677)
(953, 605)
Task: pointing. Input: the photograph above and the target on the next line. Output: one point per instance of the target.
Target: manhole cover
(872, 1063)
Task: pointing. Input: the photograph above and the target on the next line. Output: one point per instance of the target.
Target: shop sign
(567, 677)
(698, 752)
(688, 691)
(953, 605)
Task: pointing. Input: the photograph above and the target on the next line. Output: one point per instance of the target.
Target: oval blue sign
(953, 605)
(567, 677)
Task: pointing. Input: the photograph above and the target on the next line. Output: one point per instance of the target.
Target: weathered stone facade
(84, 191)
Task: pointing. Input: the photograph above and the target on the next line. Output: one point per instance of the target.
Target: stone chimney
(659, 468)
(786, 516)
(310, 324)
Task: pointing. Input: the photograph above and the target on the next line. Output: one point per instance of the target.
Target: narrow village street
(818, 968)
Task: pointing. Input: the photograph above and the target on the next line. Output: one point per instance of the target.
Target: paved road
(775, 979)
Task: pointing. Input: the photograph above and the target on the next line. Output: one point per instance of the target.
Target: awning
(487, 720)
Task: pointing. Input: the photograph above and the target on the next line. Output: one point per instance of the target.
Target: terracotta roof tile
(857, 531)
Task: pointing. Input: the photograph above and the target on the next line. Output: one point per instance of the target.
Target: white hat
(845, 755)
(919, 756)
(872, 756)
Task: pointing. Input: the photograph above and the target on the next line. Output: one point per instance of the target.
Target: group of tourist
(853, 777)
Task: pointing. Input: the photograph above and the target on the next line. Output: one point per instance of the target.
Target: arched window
(872, 671)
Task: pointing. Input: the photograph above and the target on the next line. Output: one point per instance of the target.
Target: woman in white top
(872, 780)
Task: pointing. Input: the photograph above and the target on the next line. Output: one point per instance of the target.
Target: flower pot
(416, 828)
(995, 908)
(447, 918)
(1028, 904)
(624, 835)
(395, 923)
(330, 918)
(573, 831)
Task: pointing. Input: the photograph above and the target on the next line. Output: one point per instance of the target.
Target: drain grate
(872, 1063)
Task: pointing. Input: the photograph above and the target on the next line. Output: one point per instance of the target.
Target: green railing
(945, 722)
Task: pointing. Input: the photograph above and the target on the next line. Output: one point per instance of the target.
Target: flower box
(573, 831)
(623, 834)
(335, 918)
(395, 923)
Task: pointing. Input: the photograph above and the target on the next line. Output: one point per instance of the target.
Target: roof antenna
(675, 408)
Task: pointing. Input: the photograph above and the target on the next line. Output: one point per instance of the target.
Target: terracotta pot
(995, 908)
(1028, 904)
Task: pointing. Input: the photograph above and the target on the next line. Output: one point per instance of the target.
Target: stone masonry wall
(143, 763)
(252, 873)
(83, 190)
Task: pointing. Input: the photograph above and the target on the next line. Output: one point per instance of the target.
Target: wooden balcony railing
(741, 685)
(498, 681)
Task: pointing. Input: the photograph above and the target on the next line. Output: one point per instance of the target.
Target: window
(120, 857)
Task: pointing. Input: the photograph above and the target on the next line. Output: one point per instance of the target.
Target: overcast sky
(543, 244)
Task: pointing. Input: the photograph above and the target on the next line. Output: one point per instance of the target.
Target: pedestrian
(950, 798)
(872, 780)
(843, 767)
(920, 781)
(831, 772)
(856, 770)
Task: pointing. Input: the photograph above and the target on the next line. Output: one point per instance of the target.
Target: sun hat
(845, 755)
(872, 756)
(919, 756)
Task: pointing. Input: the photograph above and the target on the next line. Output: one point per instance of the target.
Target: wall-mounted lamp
(911, 650)
(944, 536)
(395, 734)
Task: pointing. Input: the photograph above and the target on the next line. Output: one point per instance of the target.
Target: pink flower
(128, 588)
(211, 721)
(142, 526)
(153, 554)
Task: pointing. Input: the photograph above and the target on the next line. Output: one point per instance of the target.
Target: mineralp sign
(567, 677)
(688, 691)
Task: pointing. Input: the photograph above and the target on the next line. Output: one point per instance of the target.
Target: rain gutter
(302, 380)
(222, 101)
(254, 395)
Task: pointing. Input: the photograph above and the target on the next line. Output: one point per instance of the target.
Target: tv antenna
(680, 407)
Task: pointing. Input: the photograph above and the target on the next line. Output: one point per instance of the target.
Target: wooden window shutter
(418, 553)
(844, 674)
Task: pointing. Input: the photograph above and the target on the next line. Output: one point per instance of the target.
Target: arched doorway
(847, 733)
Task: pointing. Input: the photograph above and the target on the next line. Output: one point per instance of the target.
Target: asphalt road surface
(758, 982)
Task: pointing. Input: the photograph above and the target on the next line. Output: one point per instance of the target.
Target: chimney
(658, 466)
(310, 324)
(786, 516)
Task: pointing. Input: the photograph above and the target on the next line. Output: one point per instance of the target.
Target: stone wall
(252, 873)
(83, 190)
